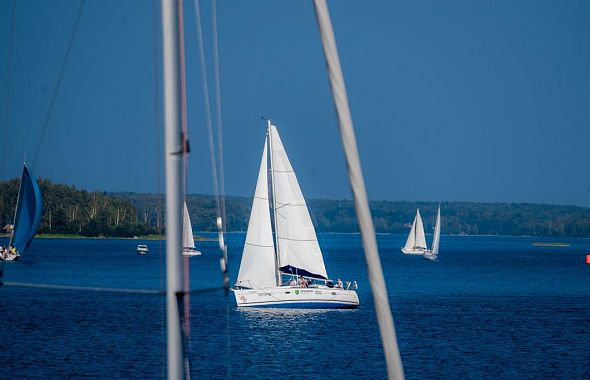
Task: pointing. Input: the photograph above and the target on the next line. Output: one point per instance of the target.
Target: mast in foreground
(174, 152)
(357, 184)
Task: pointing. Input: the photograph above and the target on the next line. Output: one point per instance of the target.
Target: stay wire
(185, 144)
(58, 84)
(220, 222)
(159, 160)
(7, 98)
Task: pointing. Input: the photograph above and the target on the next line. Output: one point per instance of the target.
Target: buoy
(588, 259)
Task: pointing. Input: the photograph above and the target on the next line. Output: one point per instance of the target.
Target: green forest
(67, 210)
(458, 218)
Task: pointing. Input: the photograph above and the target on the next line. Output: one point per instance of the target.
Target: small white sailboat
(432, 254)
(188, 240)
(286, 270)
(416, 242)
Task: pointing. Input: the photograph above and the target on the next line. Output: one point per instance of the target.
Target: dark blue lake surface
(491, 307)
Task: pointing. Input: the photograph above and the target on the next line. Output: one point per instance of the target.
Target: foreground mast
(174, 161)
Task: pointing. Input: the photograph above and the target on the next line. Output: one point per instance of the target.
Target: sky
(485, 101)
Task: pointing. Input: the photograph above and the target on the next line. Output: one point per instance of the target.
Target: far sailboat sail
(27, 216)
(416, 243)
(432, 254)
(295, 253)
(188, 240)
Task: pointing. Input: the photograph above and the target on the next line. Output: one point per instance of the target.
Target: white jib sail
(436, 238)
(411, 242)
(420, 236)
(257, 269)
(188, 240)
(297, 241)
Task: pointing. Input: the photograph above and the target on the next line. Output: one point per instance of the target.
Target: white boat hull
(296, 297)
(414, 251)
(430, 256)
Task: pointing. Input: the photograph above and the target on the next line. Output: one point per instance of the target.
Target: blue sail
(28, 212)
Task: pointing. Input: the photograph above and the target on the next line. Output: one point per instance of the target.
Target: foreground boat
(287, 270)
(416, 242)
(27, 217)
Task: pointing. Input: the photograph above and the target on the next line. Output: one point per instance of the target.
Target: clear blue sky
(457, 100)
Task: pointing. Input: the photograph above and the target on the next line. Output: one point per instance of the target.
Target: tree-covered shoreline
(458, 218)
(69, 211)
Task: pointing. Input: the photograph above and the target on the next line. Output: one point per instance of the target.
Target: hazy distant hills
(67, 210)
(469, 218)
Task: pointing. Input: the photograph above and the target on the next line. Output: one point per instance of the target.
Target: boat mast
(174, 157)
(415, 228)
(274, 207)
(361, 203)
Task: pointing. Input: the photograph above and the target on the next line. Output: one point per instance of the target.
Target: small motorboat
(142, 249)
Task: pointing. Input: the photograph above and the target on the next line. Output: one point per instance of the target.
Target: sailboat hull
(430, 256)
(296, 297)
(414, 251)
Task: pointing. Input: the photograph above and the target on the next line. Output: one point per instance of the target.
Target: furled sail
(299, 251)
(28, 212)
(257, 269)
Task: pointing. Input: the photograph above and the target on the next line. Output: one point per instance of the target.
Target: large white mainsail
(299, 251)
(257, 269)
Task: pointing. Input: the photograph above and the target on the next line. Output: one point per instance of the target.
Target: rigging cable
(7, 103)
(185, 145)
(159, 160)
(58, 84)
(357, 184)
(217, 176)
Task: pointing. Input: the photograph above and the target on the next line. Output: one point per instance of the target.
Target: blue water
(491, 307)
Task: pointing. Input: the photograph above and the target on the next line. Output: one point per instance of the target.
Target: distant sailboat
(294, 253)
(188, 240)
(432, 254)
(27, 216)
(416, 242)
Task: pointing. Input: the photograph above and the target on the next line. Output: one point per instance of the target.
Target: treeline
(67, 210)
(459, 218)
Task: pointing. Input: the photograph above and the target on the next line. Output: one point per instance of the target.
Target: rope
(217, 176)
(58, 85)
(159, 160)
(153, 292)
(9, 59)
(218, 113)
(355, 174)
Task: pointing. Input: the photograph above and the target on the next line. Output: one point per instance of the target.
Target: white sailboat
(188, 240)
(287, 270)
(416, 243)
(432, 254)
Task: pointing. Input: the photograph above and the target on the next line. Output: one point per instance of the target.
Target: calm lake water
(491, 307)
